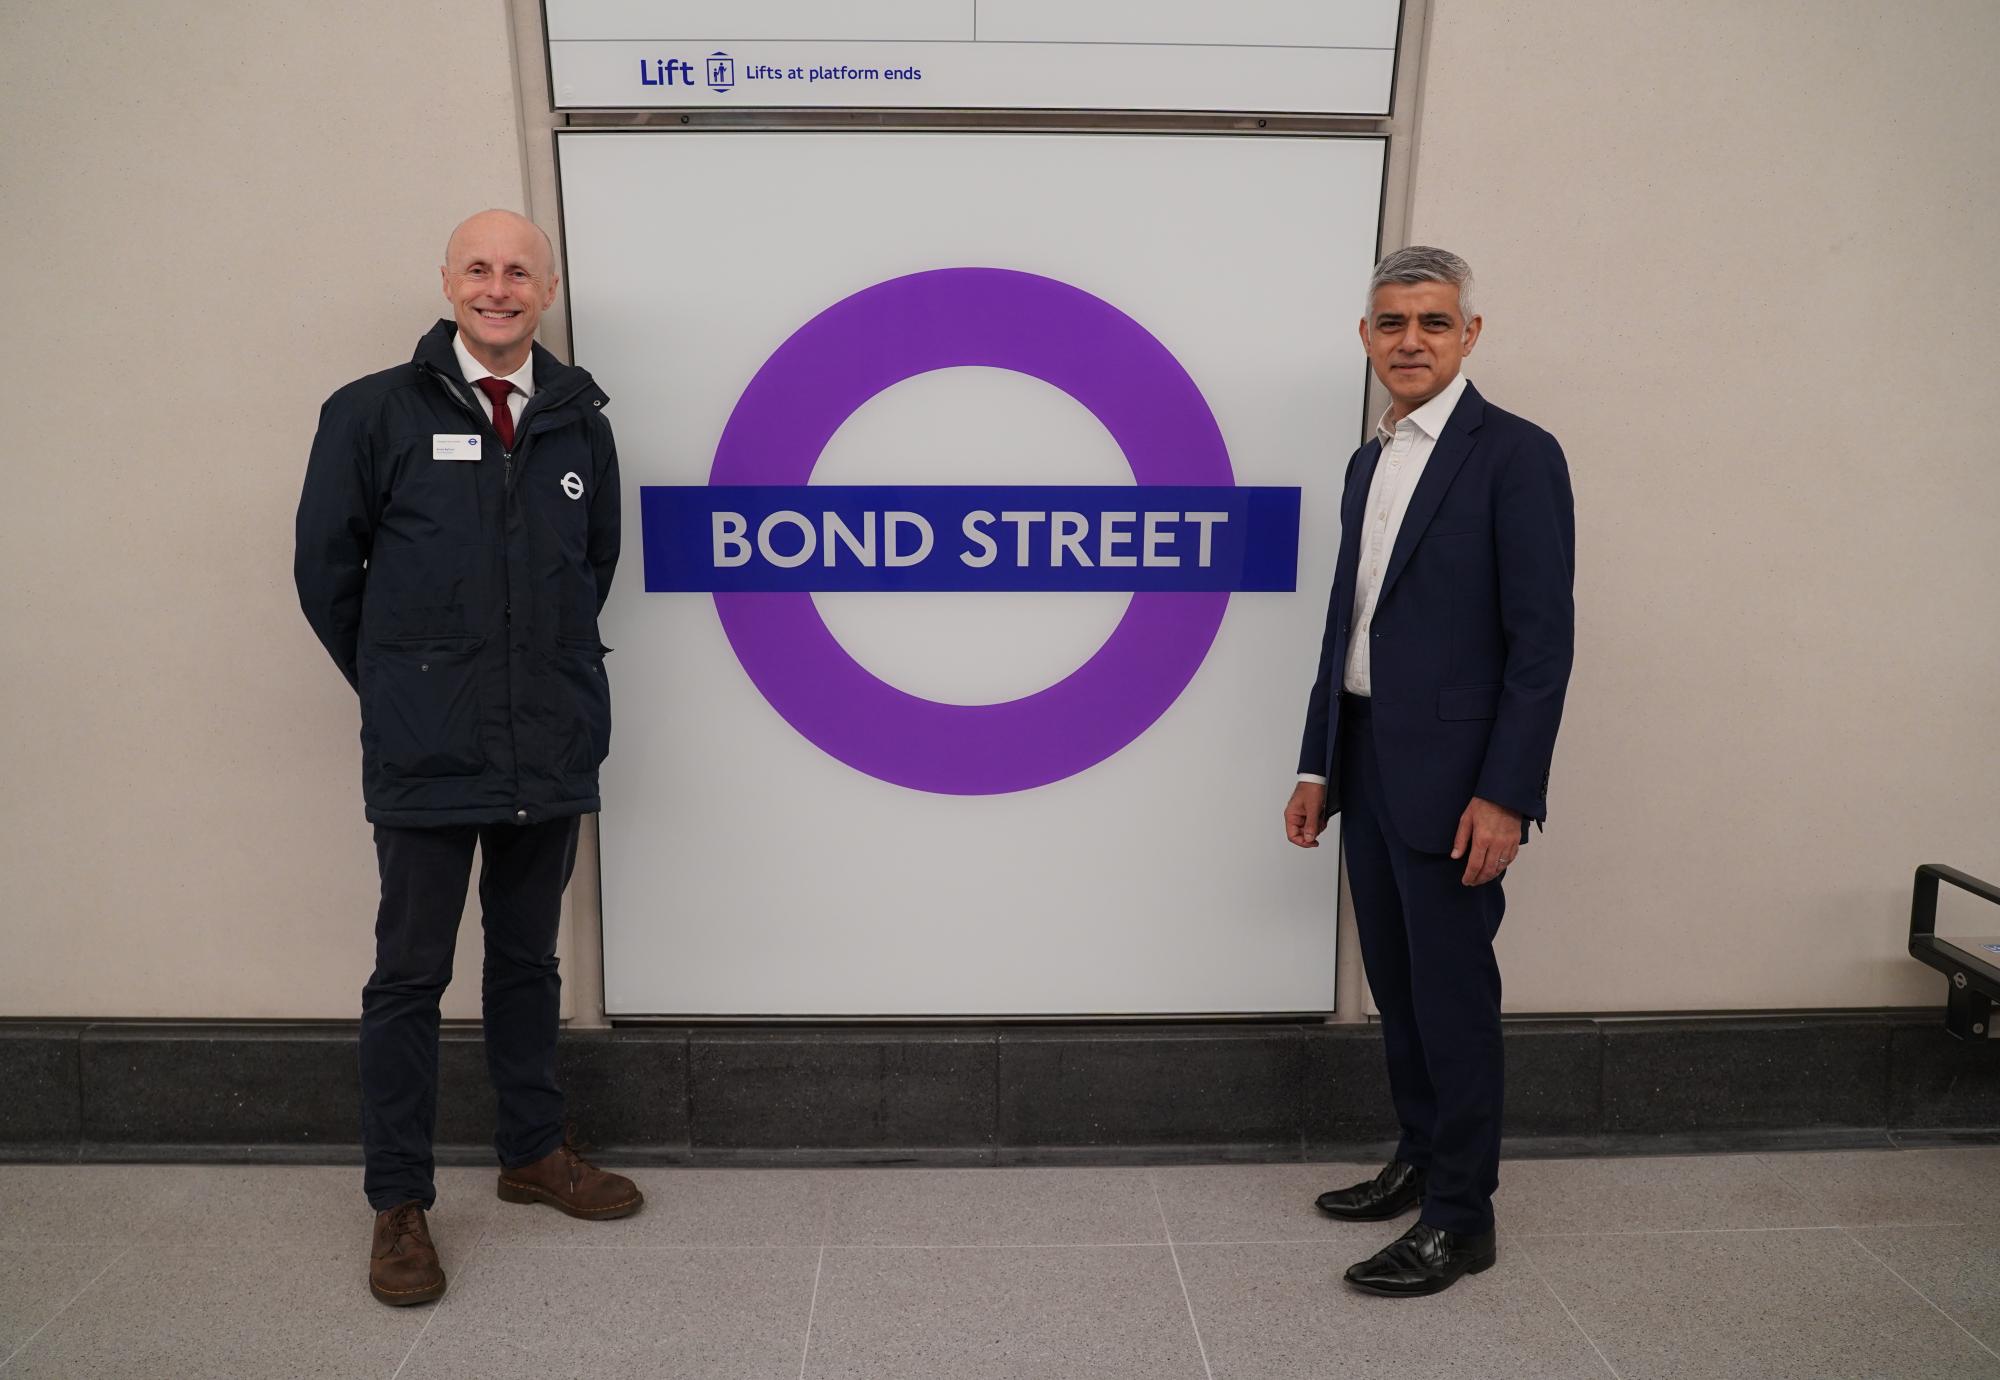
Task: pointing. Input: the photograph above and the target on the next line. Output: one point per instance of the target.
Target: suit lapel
(1446, 458)
(1353, 504)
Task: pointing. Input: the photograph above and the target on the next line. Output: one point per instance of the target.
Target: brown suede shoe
(564, 1179)
(403, 1267)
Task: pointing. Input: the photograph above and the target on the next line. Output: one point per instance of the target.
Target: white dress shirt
(522, 378)
(1406, 449)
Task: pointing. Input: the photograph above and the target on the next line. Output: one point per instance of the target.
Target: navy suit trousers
(1427, 945)
(523, 871)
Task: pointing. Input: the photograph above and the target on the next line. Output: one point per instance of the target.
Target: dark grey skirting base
(1091, 1094)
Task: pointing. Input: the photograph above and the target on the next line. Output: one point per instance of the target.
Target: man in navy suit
(1430, 729)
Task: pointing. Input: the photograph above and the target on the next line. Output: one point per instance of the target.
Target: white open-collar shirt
(1406, 449)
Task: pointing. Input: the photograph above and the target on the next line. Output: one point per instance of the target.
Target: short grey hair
(1423, 263)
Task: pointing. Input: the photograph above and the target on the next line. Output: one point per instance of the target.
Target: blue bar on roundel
(773, 538)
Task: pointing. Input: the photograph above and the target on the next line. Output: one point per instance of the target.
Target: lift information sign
(1328, 57)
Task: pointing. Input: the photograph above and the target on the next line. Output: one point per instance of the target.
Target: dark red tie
(497, 391)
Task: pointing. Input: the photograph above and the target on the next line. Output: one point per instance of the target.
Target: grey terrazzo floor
(1820, 1266)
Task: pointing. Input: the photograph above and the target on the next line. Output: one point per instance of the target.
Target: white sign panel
(1325, 57)
(980, 509)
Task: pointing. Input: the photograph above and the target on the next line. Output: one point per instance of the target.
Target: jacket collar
(556, 383)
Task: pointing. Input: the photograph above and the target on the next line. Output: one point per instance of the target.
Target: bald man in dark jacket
(456, 539)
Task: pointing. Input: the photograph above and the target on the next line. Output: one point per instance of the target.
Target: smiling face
(499, 276)
(1416, 340)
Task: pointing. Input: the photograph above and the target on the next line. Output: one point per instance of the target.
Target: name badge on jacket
(454, 446)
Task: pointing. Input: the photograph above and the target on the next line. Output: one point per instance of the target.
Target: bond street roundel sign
(760, 539)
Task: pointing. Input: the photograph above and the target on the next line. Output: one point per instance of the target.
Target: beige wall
(215, 214)
(1739, 258)
(1734, 256)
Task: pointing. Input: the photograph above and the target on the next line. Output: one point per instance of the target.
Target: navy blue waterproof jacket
(1474, 630)
(460, 598)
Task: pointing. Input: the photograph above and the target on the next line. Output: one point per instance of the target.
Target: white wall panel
(746, 871)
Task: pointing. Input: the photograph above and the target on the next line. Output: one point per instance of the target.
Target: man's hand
(1489, 836)
(1305, 814)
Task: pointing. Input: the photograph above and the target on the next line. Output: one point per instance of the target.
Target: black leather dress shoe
(1393, 1192)
(1423, 1260)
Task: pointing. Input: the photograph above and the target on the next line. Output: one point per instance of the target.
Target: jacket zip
(467, 406)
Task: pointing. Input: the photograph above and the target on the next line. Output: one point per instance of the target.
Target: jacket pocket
(420, 705)
(1469, 702)
(580, 667)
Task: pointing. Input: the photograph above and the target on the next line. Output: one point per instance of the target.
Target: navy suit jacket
(1473, 632)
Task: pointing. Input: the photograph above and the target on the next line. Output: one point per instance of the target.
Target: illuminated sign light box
(1310, 57)
(977, 545)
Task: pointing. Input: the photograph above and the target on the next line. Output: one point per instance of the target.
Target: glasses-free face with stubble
(1416, 337)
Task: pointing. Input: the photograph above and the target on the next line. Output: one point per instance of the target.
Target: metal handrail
(1975, 981)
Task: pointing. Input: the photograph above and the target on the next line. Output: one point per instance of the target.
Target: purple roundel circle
(944, 319)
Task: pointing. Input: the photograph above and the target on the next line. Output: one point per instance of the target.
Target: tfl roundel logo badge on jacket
(572, 485)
